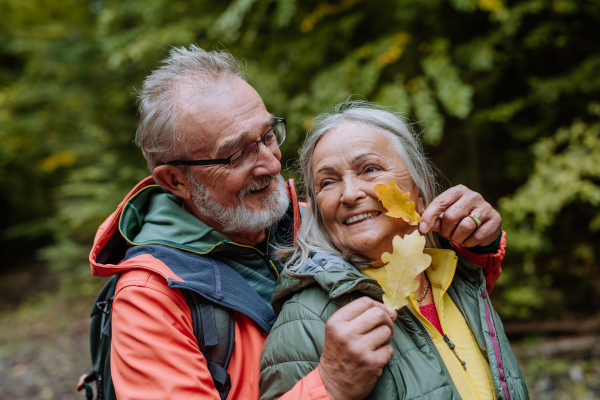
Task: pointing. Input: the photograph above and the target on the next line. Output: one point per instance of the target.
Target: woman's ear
(174, 180)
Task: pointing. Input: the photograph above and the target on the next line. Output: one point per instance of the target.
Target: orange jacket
(154, 351)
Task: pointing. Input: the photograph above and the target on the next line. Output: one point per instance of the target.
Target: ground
(44, 349)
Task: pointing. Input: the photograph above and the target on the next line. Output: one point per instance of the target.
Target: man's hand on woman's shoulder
(450, 215)
(357, 347)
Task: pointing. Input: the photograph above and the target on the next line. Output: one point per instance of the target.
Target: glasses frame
(227, 160)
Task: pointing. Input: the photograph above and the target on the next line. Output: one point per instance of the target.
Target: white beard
(238, 218)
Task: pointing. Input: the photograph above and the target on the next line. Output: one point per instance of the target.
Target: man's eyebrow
(230, 144)
(363, 155)
(234, 142)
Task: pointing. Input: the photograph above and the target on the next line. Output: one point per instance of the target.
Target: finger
(369, 320)
(437, 224)
(380, 336)
(382, 355)
(491, 231)
(467, 226)
(439, 205)
(486, 234)
(357, 307)
(454, 215)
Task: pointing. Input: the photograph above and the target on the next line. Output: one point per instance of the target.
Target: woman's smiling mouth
(362, 217)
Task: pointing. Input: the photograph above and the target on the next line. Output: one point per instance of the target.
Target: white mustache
(258, 184)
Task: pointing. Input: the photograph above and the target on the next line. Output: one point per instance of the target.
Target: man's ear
(174, 180)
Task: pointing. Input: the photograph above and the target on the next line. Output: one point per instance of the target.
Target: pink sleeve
(490, 262)
(311, 387)
(154, 353)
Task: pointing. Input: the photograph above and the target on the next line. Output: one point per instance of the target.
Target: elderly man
(209, 229)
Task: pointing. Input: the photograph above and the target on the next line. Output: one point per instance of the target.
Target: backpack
(213, 328)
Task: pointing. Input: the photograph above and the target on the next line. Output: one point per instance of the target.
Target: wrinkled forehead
(220, 118)
(350, 141)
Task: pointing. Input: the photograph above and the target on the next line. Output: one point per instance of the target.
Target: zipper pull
(452, 346)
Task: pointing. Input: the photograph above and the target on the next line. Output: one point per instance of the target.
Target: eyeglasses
(245, 157)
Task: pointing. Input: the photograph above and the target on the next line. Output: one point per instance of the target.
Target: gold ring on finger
(476, 219)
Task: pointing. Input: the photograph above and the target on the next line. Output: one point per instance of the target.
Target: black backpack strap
(214, 328)
(100, 345)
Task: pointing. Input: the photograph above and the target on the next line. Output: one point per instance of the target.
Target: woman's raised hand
(450, 215)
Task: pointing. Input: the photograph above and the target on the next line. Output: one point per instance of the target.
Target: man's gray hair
(159, 135)
(312, 236)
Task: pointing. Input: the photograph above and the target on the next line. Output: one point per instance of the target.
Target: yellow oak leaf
(403, 265)
(397, 203)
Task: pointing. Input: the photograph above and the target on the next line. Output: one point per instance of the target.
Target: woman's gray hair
(158, 134)
(312, 236)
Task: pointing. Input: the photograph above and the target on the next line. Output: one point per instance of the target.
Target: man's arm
(482, 244)
(339, 359)
(154, 352)
(449, 214)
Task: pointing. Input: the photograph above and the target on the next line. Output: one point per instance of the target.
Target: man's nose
(351, 191)
(267, 161)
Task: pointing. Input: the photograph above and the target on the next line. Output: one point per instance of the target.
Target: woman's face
(347, 163)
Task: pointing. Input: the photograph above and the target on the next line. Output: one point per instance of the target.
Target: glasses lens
(244, 158)
(279, 133)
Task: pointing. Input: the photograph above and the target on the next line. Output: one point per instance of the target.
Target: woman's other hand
(450, 215)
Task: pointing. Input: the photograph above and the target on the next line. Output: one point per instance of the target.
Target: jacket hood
(334, 274)
(150, 216)
(110, 246)
(153, 216)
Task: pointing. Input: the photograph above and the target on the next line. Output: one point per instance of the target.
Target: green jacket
(325, 283)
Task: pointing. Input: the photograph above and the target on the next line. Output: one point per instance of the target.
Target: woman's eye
(371, 169)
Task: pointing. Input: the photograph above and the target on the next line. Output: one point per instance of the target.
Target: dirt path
(44, 346)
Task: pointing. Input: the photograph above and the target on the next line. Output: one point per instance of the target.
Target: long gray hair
(312, 236)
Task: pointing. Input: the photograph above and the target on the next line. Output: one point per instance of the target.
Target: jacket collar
(336, 276)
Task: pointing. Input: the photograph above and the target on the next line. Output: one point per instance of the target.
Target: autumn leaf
(397, 203)
(403, 265)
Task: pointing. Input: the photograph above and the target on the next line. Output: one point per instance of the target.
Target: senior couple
(217, 219)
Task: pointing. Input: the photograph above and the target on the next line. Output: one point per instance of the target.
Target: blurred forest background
(506, 92)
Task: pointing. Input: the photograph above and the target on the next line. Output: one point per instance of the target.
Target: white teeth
(361, 217)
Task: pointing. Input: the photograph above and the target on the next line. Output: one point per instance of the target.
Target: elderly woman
(448, 343)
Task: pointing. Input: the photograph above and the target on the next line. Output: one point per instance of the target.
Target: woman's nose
(351, 191)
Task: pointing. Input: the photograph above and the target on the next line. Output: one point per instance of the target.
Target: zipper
(435, 351)
(264, 256)
(496, 343)
(452, 346)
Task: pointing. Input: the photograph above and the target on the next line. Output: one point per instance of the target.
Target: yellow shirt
(476, 381)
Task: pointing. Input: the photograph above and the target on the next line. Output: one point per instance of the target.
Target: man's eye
(270, 137)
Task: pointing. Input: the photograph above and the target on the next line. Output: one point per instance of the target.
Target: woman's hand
(449, 214)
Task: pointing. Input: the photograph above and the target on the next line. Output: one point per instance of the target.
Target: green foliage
(505, 92)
